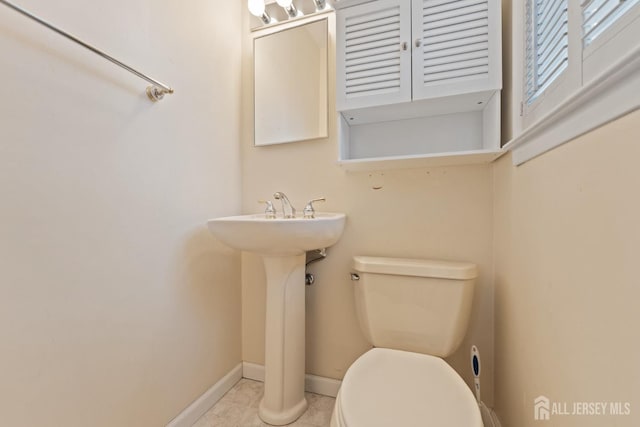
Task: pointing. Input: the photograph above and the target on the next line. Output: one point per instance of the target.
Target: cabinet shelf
(476, 101)
(421, 160)
(385, 133)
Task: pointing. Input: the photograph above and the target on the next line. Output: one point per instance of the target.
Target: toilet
(414, 313)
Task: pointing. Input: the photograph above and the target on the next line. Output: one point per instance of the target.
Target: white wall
(116, 306)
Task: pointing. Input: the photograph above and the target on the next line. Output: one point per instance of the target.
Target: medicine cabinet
(291, 82)
(418, 81)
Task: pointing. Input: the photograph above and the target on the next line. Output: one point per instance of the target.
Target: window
(549, 34)
(576, 66)
(547, 44)
(548, 37)
(598, 15)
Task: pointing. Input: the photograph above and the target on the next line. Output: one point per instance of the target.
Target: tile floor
(239, 408)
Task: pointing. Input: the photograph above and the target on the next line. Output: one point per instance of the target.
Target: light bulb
(256, 7)
(289, 7)
(320, 4)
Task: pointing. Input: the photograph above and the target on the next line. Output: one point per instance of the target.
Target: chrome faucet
(285, 202)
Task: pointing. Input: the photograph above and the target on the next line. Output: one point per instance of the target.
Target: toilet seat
(388, 388)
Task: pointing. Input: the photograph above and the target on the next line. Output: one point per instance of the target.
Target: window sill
(607, 97)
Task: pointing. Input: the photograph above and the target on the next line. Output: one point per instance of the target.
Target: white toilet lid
(385, 388)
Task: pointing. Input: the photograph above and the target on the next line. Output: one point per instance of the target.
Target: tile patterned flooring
(239, 408)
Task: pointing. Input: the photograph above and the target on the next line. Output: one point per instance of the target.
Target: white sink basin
(282, 244)
(294, 236)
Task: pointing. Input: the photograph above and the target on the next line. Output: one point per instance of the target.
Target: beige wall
(566, 290)
(116, 306)
(441, 213)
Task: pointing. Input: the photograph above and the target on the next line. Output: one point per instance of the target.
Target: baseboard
(253, 371)
(201, 405)
(489, 417)
(312, 383)
(495, 419)
(322, 385)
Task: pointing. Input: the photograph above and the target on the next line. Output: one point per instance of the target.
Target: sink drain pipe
(313, 256)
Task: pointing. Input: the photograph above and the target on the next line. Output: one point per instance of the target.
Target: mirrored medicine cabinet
(290, 83)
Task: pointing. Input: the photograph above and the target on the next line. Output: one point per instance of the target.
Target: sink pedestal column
(284, 400)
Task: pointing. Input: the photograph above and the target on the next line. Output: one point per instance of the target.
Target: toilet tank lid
(416, 267)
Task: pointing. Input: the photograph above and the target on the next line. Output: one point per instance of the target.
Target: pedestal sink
(282, 244)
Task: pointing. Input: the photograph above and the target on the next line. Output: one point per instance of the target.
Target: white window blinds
(598, 15)
(547, 50)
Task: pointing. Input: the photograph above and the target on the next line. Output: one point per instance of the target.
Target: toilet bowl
(388, 388)
(415, 312)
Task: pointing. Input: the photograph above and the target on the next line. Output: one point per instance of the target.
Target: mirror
(290, 84)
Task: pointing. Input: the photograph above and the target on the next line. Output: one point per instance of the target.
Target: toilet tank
(414, 305)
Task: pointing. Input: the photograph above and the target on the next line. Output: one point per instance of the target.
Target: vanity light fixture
(289, 7)
(320, 4)
(257, 8)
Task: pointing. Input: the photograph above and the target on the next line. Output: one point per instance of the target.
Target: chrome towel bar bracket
(155, 92)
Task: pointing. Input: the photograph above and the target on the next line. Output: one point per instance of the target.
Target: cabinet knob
(404, 46)
(418, 42)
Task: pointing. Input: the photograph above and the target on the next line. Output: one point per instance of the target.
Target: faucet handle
(270, 210)
(308, 211)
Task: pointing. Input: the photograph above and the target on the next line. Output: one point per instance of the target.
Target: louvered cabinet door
(373, 52)
(456, 47)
